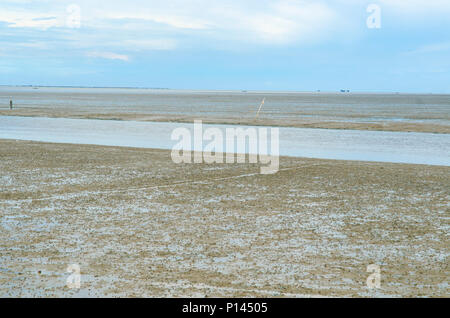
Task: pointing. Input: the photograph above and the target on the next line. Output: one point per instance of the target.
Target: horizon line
(342, 91)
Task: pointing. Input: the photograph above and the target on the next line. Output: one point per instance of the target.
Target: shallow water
(400, 147)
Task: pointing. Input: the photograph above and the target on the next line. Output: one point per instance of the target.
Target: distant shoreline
(69, 86)
(339, 92)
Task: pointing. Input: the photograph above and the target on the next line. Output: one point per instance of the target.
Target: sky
(287, 45)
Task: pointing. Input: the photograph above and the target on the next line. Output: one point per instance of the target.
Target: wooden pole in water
(260, 106)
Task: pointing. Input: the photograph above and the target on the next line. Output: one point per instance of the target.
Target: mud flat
(438, 128)
(139, 225)
(361, 111)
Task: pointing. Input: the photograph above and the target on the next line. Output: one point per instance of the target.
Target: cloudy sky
(228, 44)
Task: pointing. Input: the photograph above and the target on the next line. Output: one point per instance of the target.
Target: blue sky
(301, 45)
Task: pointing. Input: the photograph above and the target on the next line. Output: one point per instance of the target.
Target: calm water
(233, 104)
(419, 148)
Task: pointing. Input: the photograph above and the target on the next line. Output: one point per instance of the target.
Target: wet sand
(361, 111)
(261, 121)
(140, 225)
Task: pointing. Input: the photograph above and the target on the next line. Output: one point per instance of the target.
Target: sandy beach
(139, 225)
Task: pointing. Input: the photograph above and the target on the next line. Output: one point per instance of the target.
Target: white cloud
(265, 21)
(273, 22)
(291, 21)
(25, 19)
(143, 25)
(109, 56)
(416, 6)
(286, 21)
(175, 21)
(153, 44)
